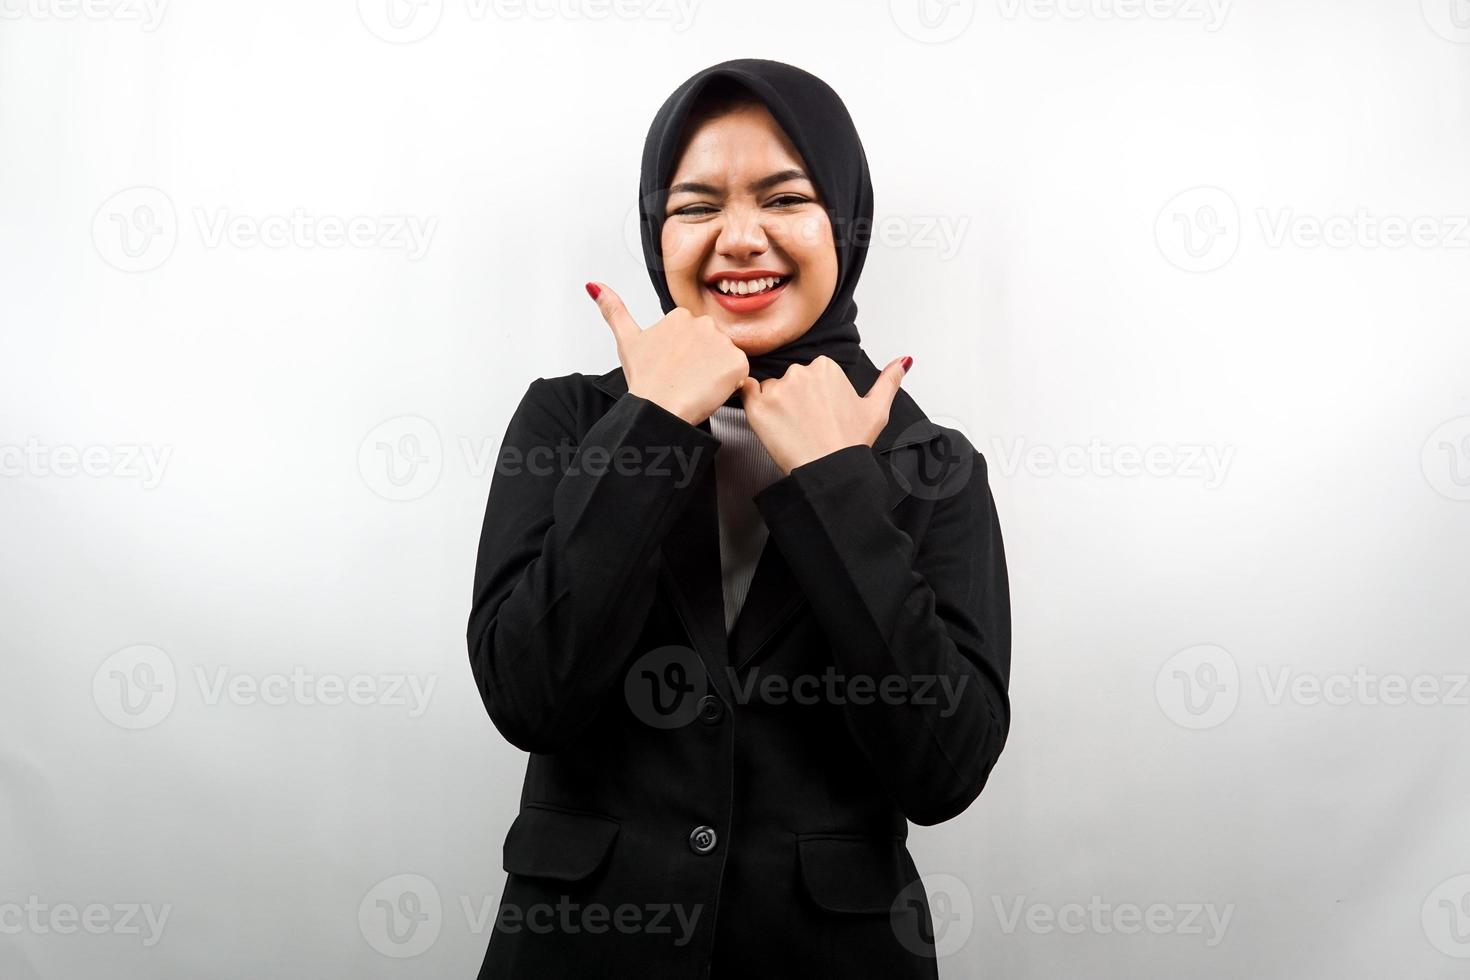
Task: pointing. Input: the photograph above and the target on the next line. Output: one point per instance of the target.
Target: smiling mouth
(758, 294)
(748, 287)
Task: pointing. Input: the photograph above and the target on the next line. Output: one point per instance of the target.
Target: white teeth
(744, 287)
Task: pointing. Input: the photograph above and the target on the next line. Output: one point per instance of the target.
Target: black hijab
(819, 126)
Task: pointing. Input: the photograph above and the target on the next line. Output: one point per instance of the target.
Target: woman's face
(741, 208)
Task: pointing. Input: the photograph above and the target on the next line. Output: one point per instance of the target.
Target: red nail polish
(593, 290)
(908, 362)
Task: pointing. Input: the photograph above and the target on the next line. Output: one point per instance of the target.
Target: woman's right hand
(683, 363)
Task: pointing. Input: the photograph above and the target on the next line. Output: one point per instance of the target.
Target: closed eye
(780, 201)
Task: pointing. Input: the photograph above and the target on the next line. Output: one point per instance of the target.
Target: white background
(1096, 238)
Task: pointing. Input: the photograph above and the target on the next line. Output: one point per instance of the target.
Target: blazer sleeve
(935, 613)
(563, 575)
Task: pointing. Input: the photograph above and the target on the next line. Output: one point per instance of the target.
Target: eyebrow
(780, 177)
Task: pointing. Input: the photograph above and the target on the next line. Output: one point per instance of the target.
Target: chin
(753, 339)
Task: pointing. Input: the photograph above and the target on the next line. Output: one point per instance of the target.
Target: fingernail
(908, 362)
(593, 289)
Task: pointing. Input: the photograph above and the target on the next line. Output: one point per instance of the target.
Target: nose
(742, 234)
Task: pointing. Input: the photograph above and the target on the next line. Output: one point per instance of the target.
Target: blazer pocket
(851, 873)
(563, 845)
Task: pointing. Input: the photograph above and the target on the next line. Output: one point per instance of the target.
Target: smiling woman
(739, 681)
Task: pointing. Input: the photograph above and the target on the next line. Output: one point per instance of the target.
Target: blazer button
(711, 709)
(703, 840)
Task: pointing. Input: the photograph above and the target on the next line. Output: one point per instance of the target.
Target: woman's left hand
(813, 410)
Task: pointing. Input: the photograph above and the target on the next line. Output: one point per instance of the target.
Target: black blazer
(681, 817)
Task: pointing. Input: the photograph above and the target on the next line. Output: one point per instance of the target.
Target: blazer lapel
(691, 552)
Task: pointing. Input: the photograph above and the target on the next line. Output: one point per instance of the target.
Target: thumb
(610, 304)
(750, 390)
(886, 387)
